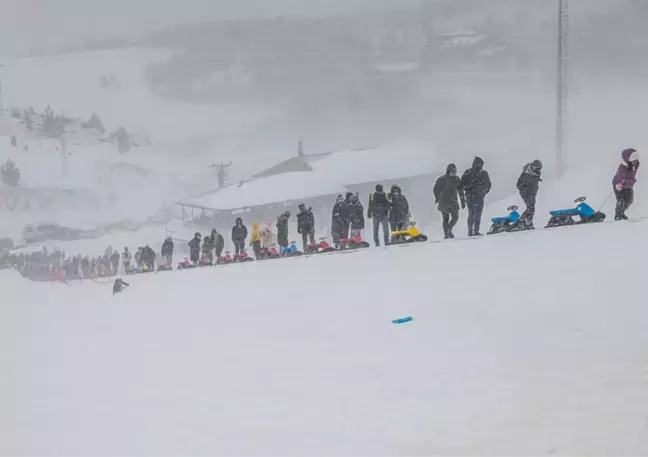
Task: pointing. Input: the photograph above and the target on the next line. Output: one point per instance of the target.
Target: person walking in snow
(446, 190)
(167, 251)
(282, 231)
(378, 211)
(239, 235)
(255, 240)
(306, 225)
(476, 184)
(528, 185)
(338, 220)
(194, 248)
(356, 216)
(399, 211)
(624, 181)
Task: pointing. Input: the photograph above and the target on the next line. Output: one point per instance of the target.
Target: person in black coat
(194, 248)
(399, 211)
(338, 220)
(208, 248)
(167, 251)
(476, 184)
(347, 215)
(239, 234)
(378, 210)
(356, 216)
(219, 243)
(446, 190)
(528, 185)
(306, 225)
(282, 231)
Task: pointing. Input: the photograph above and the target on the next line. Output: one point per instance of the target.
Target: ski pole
(605, 201)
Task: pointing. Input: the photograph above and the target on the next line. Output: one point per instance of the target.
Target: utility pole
(222, 173)
(562, 91)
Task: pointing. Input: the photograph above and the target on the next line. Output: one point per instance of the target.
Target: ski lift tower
(562, 85)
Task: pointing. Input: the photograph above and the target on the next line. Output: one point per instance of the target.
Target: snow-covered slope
(524, 344)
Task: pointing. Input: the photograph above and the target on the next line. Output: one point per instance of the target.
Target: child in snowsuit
(446, 190)
(528, 185)
(624, 181)
(356, 216)
(239, 234)
(255, 240)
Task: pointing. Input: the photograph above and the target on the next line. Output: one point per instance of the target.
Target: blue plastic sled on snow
(583, 211)
(505, 223)
(402, 320)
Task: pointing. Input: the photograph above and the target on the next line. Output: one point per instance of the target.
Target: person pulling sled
(446, 190)
(528, 185)
(623, 183)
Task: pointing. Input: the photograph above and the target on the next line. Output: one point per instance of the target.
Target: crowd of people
(388, 211)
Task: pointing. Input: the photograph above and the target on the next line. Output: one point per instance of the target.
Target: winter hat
(629, 155)
(536, 166)
(452, 168)
(478, 163)
(379, 187)
(302, 206)
(348, 195)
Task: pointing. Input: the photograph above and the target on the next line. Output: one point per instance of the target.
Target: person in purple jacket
(624, 181)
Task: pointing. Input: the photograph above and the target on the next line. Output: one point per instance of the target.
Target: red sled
(354, 242)
(319, 248)
(244, 257)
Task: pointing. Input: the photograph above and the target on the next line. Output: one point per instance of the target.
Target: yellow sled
(409, 235)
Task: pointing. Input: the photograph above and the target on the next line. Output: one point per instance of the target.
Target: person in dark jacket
(148, 257)
(306, 225)
(528, 184)
(194, 248)
(446, 190)
(399, 211)
(167, 251)
(208, 248)
(356, 216)
(476, 184)
(239, 234)
(282, 231)
(339, 217)
(624, 181)
(347, 215)
(378, 211)
(218, 242)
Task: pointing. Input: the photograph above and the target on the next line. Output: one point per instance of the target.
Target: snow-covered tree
(10, 173)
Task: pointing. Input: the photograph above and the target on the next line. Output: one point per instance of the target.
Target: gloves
(463, 204)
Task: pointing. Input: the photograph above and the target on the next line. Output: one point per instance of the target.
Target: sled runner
(584, 212)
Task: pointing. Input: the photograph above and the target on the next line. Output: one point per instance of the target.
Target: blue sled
(505, 223)
(585, 213)
(402, 320)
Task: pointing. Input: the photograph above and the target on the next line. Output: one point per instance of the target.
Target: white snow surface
(522, 344)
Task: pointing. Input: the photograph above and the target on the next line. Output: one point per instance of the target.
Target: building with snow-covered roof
(316, 180)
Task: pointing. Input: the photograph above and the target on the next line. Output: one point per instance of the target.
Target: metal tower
(562, 85)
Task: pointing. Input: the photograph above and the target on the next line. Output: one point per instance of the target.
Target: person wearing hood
(347, 216)
(218, 242)
(282, 231)
(624, 181)
(239, 234)
(306, 225)
(167, 251)
(356, 216)
(339, 217)
(476, 184)
(194, 248)
(378, 211)
(399, 211)
(255, 240)
(208, 248)
(446, 190)
(528, 185)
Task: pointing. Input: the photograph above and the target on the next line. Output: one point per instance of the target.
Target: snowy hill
(520, 344)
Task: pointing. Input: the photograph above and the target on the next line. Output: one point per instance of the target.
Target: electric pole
(562, 86)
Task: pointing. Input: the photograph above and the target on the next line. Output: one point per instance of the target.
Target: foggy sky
(51, 23)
